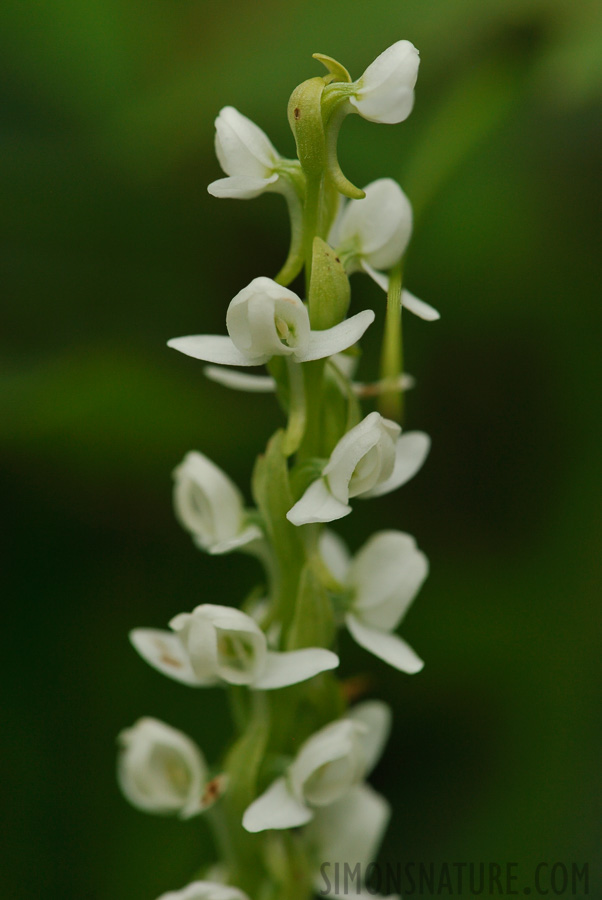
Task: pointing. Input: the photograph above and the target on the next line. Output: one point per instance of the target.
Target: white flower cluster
(315, 782)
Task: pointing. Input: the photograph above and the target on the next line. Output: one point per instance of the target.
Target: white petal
(207, 502)
(276, 808)
(350, 830)
(386, 574)
(388, 647)
(335, 554)
(380, 278)
(246, 536)
(240, 187)
(328, 763)
(375, 717)
(240, 381)
(419, 307)
(282, 669)
(339, 337)
(386, 89)
(363, 457)
(317, 505)
(205, 890)
(215, 348)
(241, 146)
(379, 225)
(411, 451)
(164, 651)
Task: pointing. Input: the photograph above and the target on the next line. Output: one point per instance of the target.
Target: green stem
(297, 408)
(311, 216)
(391, 401)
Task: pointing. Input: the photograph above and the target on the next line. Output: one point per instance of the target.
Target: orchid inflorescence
(291, 790)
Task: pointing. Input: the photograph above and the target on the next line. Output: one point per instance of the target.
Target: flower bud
(385, 92)
(161, 770)
(209, 505)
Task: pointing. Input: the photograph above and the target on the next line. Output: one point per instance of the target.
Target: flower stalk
(291, 790)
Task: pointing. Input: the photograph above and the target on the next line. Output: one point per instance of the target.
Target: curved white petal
(241, 146)
(328, 763)
(317, 505)
(215, 348)
(410, 453)
(379, 225)
(386, 89)
(375, 717)
(205, 890)
(419, 307)
(240, 187)
(160, 769)
(335, 554)
(240, 381)
(350, 830)
(207, 502)
(276, 808)
(386, 574)
(339, 337)
(380, 278)
(388, 647)
(282, 669)
(165, 653)
(246, 536)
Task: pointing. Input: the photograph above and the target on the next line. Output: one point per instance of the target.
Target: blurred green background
(111, 245)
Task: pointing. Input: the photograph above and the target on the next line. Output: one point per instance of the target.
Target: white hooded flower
(372, 234)
(205, 890)
(385, 92)
(348, 833)
(383, 578)
(246, 155)
(161, 770)
(266, 320)
(216, 644)
(372, 459)
(209, 505)
(326, 767)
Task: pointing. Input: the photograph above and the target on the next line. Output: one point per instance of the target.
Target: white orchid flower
(246, 155)
(348, 833)
(372, 459)
(216, 644)
(372, 234)
(209, 505)
(385, 92)
(383, 578)
(326, 767)
(205, 890)
(161, 770)
(266, 320)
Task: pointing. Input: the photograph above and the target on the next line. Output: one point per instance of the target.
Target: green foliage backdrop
(111, 245)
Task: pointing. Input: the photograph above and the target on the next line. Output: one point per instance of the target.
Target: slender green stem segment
(391, 365)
